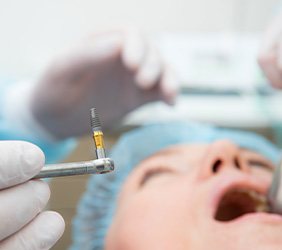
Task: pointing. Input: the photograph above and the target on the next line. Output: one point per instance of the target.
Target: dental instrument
(274, 195)
(101, 165)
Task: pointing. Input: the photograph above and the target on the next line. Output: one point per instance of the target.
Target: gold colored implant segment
(98, 139)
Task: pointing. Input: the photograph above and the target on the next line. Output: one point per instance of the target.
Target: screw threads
(94, 120)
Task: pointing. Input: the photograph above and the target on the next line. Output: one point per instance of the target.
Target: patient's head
(192, 192)
(194, 197)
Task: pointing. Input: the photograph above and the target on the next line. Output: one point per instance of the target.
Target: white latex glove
(270, 54)
(23, 225)
(114, 72)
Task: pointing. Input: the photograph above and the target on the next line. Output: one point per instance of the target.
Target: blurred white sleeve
(17, 112)
(18, 123)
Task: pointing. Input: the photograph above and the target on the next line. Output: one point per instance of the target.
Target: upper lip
(232, 183)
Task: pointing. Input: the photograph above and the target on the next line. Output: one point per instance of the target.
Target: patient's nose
(221, 155)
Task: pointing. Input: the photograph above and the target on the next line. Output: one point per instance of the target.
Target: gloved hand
(23, 225)
(114, 72)
(270, 54)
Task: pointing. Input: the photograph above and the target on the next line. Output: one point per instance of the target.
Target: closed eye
(152, 173)
(260, 164)
(256, 160)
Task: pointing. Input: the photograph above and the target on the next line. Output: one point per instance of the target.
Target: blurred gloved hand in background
(24, 225)
(270, 54)
(114, 72)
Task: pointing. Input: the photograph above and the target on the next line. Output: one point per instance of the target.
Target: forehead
(177, 152)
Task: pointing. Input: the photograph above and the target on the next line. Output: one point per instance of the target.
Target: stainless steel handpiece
(274, 195)
(101, 165)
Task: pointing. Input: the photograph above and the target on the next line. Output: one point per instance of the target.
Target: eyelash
(259, 164)
(151, 172)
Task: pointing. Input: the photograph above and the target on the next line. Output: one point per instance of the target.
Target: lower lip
(260, 217)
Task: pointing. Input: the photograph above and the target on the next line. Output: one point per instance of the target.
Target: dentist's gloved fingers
(270, 54)
(20, 204)
(279, 57)
(149, 72)
(133, 50)
(40, 234)
(169, 85)
(271, 63)
(19, 162)
(273, 75)
(268, 43)
(103, 45)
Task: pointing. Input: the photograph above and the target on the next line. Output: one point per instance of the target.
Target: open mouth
(238, 202)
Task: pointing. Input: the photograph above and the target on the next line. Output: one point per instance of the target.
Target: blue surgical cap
(97, 206)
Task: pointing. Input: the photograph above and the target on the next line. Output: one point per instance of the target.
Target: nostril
(237, 164)
(216, 166)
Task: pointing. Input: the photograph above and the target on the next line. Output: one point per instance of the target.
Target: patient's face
(197, 197)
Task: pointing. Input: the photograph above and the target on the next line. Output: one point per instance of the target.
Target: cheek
(159, 218)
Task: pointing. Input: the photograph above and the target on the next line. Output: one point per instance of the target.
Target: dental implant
(98, 135)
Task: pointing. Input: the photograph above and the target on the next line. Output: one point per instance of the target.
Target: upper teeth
(259, 199)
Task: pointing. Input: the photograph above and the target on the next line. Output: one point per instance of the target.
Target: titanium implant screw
(97, 134)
